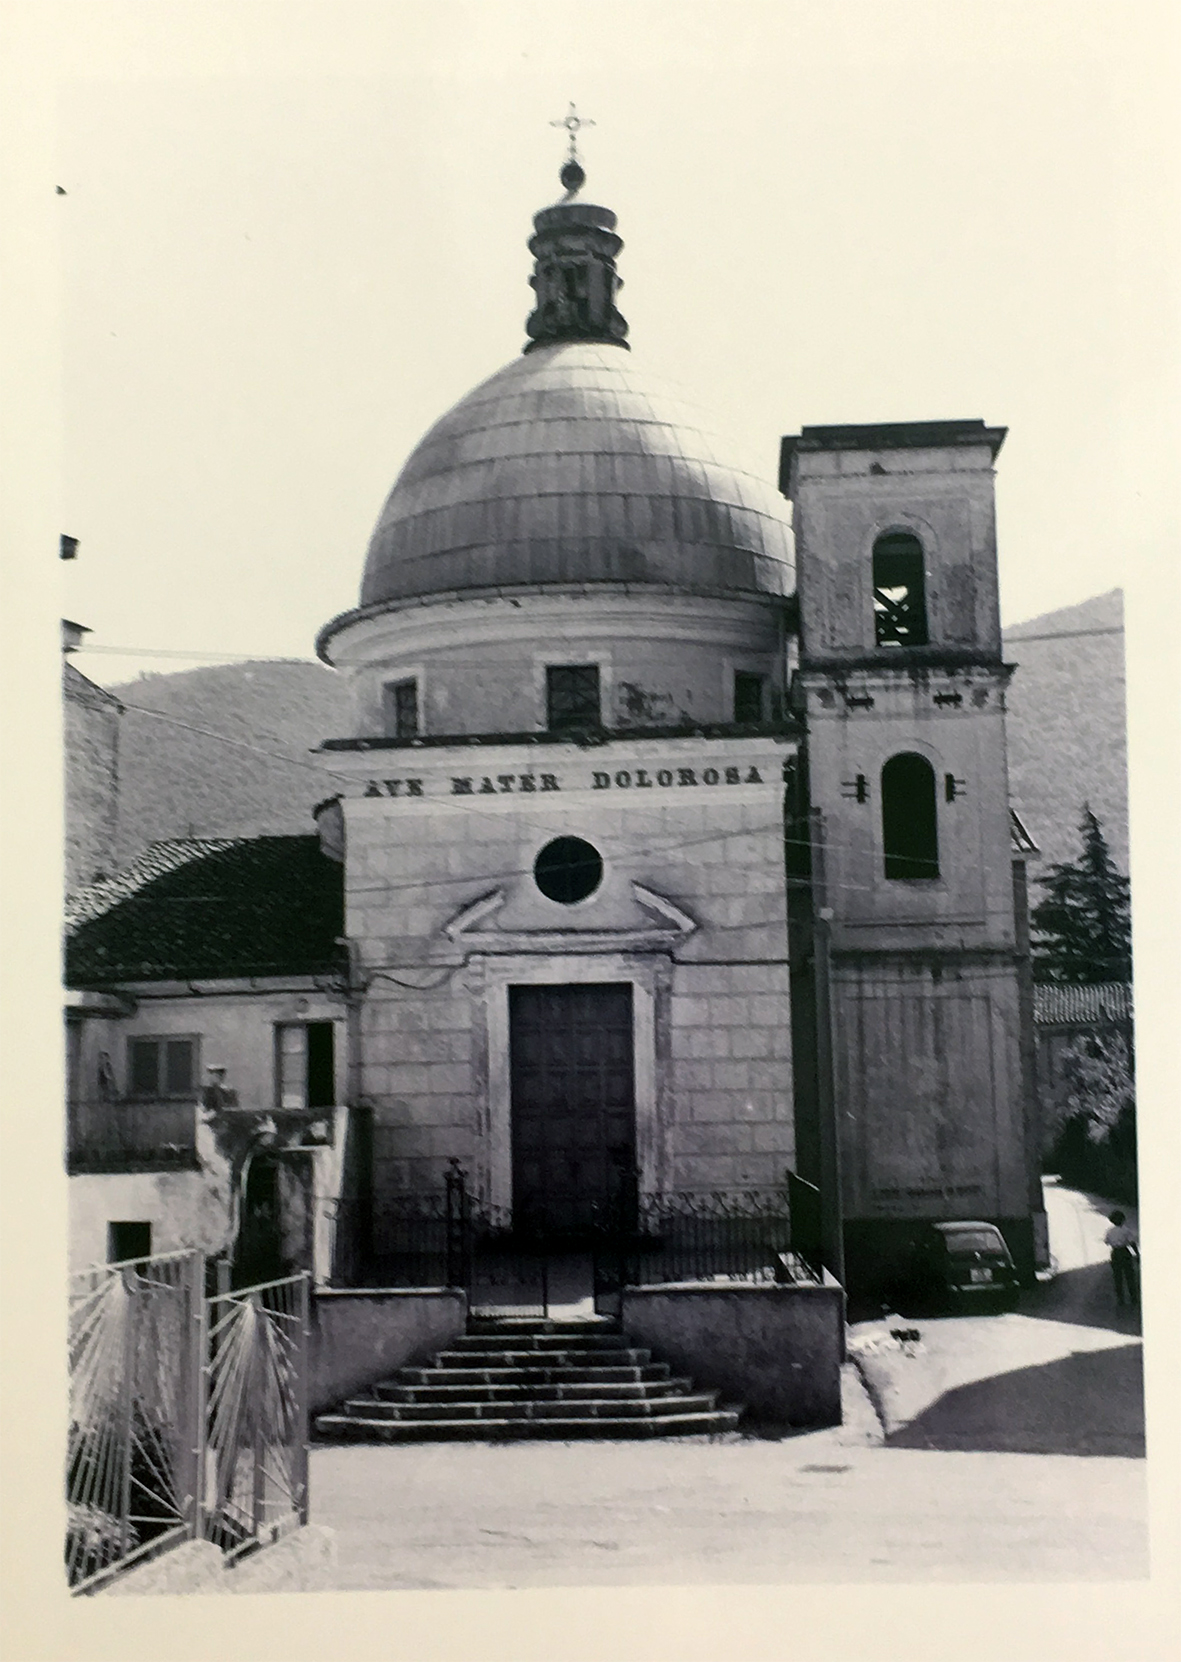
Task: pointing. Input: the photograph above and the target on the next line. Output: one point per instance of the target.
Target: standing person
(1125, 1251)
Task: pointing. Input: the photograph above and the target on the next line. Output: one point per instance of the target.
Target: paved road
(932, 1500)
(822, 1507)
(1060, 1375)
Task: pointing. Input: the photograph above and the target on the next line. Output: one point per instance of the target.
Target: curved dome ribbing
(572, 466)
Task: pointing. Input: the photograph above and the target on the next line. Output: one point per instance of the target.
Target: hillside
(249, 773)
(1067, 740)
(1068, 726)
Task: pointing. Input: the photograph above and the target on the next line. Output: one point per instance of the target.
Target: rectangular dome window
(400, 702)
(572, 699)
(748, 697)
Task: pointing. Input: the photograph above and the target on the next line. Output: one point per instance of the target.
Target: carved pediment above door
(666, 925)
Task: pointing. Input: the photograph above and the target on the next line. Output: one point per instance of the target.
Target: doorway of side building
(275, 1232)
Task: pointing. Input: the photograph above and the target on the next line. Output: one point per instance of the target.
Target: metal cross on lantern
(573, 123)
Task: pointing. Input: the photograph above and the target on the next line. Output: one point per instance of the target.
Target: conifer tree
(1082, 927)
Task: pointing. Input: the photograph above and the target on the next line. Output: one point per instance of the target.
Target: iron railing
(105, 1136)
(717, 1235)
(405, 1240)
(509, 1259)
(136, 1420)
(256, 1457)
(188, 1414)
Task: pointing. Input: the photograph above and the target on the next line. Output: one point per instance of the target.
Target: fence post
(191, 1481)
(257, 1377)
(126, 1405)
(302, 1388)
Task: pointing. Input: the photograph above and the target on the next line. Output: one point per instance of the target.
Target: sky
(293, 235)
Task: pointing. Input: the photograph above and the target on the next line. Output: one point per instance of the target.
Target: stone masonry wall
(445, 913)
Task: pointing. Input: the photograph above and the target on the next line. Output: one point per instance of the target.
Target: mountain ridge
(228, 750)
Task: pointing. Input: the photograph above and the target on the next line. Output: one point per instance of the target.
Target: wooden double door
(572, 1062)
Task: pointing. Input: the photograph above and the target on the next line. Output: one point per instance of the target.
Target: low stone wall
(361, 1335)
(778, 1349)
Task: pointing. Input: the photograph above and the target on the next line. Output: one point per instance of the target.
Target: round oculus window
(568, 870)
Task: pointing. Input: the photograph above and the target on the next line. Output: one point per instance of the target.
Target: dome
(571, 466)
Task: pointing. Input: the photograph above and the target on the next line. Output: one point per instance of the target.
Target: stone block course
(723, 1138)
(701, 1044)
(424, 1110)
(419, 1141)
(748, 1042)
(691, 1076)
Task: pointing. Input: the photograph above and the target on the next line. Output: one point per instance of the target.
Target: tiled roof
(80, 689)
(161, 857)
(210, 909)
(1057, 1005)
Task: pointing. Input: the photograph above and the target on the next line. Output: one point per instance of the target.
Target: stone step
(479, 1343)
(503, 1357)
(346, 1427)
(393, 1390)
(478, 1324)
(369, 1408)
(553, 1375)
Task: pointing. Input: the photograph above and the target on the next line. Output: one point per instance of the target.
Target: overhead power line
(273, 658)
(203, 657)
(1059, 634)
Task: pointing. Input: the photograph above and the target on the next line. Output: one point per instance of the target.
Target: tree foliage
(1082, 927)
(1094, 1115)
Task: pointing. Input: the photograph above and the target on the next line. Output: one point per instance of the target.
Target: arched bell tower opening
(910, 825)
(899, 591)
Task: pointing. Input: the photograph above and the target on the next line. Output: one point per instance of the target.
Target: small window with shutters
(305, 1064)
(400, 709)
(161, 1067)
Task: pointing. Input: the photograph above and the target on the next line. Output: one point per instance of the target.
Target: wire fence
(188, 1414)
(256, 1467)
(136, 1356)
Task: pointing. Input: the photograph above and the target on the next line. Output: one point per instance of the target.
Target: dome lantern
(574, 246)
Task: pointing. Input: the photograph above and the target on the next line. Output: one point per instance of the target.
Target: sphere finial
(573, 175)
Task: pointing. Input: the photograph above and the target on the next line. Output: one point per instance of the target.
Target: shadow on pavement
(1089, 1403)
(1084, 1296)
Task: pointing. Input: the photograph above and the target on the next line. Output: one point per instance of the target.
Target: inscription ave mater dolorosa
(522, 784)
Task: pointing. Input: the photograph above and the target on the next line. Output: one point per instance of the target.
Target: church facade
(672, 841)
(599, 728)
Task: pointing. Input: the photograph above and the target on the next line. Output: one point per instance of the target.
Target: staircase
(509, 1378)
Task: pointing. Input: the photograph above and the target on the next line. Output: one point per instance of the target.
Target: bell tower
(901, 682)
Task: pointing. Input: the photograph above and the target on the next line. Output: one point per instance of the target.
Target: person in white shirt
(1125, 1253)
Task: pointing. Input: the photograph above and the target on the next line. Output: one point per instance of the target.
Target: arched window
(899, 599)
(910, 831)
